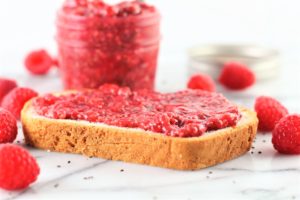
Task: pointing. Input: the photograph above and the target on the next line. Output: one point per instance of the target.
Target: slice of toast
(136, 145)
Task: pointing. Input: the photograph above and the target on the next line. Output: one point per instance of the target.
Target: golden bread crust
(139, 146)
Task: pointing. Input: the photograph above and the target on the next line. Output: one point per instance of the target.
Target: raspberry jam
(100, 43)
(187, 113)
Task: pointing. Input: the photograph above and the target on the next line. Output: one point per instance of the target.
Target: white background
(30, 24)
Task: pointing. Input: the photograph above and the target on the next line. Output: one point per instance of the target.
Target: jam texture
(100, 43)
(187, 113)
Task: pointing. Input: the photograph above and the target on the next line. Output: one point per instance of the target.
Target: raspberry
(6, 85)
(38, 62)
(286, 135)
(15, 100)
(203, 82)
(8, 126)
(269, 112)
(236, 76)
(18, 169)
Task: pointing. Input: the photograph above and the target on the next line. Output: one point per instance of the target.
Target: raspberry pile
(285, 127)
(18, 169)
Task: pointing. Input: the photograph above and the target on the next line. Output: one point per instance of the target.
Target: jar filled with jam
(101, 43)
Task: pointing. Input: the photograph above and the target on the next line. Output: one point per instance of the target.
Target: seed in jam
(100, 43)
(187, 113)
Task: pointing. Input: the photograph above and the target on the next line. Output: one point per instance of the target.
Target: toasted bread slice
(136, 145)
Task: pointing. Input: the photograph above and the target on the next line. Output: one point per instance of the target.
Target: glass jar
(120, 49)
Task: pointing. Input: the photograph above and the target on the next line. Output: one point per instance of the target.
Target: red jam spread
(187, 113)
(100, 43)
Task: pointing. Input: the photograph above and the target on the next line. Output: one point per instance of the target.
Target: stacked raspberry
(285, 127)
(18, 168)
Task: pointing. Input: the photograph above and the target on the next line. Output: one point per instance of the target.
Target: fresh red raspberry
(15, 100)
(38, 62)
(203, 82)
(18, 169)
(286, 135)
(8, 126)
(6, 85)
(269, 112)
(236, 76)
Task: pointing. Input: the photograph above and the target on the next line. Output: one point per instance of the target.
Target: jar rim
(82, 19)
(75, 22)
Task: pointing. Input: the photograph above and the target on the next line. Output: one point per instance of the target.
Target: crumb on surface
(88, 177)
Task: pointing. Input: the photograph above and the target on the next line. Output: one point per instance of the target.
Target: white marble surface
(260, 174)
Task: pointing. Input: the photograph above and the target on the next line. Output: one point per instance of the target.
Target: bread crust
(139, 146)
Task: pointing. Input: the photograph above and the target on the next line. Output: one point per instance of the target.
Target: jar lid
(210, 59)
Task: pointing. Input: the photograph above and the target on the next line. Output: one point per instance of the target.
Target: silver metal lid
(209, 59)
